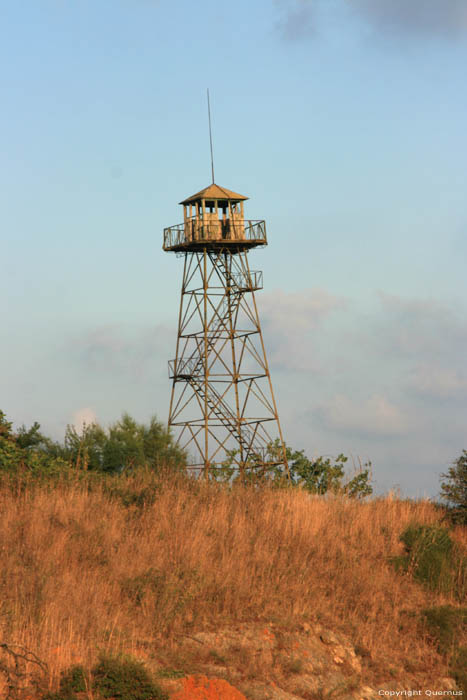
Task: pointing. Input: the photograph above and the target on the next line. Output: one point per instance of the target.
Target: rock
(305, 684)
(268, 691)
(328, 637)
(269, 663)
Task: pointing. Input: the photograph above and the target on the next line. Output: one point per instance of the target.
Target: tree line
(128, 445)
(124, 445)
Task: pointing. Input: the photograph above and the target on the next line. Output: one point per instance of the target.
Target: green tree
(5, 426)
(319, 476)
(84, 449)
(454, 488)
(125, 444)
(30, 437)
(327, 475)
(11, 455)
(27, 450)
(359, 486)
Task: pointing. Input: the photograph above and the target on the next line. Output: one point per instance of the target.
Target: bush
(433, 559)
(129, 495)
(323, 475)
(113, 677)
(448, 626)
(319, 475)
(124, 679)
(73, 681)
(458, 668)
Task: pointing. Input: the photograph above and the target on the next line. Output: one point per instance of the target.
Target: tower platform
(194, 235)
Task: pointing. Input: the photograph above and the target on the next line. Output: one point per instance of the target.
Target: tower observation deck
(222, 406)
(214, 217)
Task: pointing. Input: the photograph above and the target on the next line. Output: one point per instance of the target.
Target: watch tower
(222, 402)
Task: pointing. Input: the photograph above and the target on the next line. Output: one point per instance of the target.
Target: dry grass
(81, 573)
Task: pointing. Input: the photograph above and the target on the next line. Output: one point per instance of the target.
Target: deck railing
(185, 368)
(198, 231)
(247, 281)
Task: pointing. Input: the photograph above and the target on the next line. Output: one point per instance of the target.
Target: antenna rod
(210, 139)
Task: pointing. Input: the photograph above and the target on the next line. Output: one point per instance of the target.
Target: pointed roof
(214, 192)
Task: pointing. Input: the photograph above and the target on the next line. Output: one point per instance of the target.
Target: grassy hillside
(130, 564)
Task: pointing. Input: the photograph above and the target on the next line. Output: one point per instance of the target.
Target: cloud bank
(298, 20)
(423, 18)
(375, 416)
(291, 320)
(386, 382)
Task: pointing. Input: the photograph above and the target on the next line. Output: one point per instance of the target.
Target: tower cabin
(214, 218)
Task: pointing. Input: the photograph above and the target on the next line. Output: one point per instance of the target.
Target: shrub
(433, 559)
(138, 496)
(458, 668)
(136, 588)
(446, 624)
(319, 475)
(73, 681)
(124, 679)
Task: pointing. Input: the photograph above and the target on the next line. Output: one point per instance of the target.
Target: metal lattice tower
(222, 403)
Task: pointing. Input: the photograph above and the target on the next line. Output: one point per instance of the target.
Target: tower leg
(205, 363)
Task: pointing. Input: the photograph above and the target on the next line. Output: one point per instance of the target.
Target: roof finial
(210, 139)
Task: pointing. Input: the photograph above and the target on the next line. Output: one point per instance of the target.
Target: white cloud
(438, 382)
(126, 350)
(423, 328)
(301, 311)
(291, 322)
(374, 416)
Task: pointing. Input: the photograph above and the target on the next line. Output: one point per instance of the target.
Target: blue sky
(342, 120)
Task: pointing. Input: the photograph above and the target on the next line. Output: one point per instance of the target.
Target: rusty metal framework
(222, 404)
